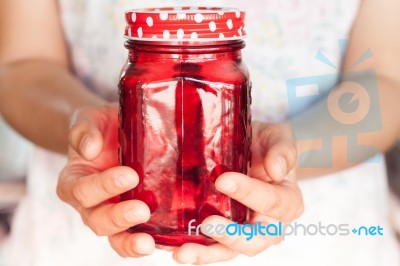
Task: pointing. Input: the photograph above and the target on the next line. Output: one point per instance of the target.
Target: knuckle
(97, 231)
(80, 195)
(232, 253)
(117, 223)
(105, 187)
(90, 219)
(60, 189)
(96, 228)
(290, 214)
(243, 192)
(257, 247)
(202, 258)
(120, 252)
(251, 252)
(295, 211)
(128, 248)
(231, 241)
(273, 201)
(116, 247)
(60, 193)
(117, 219)
(86, 218)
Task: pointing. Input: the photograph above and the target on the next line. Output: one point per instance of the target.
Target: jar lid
(185, 24)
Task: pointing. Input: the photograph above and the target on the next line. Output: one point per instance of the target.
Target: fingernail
(131, 215)
(125, 180)
(280, 163)
(84, 143)
(228, 186)
(143, 248)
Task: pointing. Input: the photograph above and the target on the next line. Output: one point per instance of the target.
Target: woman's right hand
(92, 178)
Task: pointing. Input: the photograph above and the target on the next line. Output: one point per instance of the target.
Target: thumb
(85, 137)
(281, 156)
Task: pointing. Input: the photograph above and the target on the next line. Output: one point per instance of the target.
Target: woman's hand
(92, 177)
(270, 191)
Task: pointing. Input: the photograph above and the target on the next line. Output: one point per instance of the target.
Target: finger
(280, 158)
(85, 137)
(247, 242)
(191, 253)
(110, 219)
(132, 245)
(94, 189)
(283, 200)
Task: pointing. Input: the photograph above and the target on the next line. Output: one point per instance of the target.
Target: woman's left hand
(270, 191)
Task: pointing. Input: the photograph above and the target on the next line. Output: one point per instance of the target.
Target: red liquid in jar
(184, 120)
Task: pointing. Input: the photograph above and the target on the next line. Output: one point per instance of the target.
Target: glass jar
(184, 116)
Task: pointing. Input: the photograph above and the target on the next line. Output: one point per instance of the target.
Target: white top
(284, 37)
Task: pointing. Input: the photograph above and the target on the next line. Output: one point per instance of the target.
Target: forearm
(347, 145)
(37, 98)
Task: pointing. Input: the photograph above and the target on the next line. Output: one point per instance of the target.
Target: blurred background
(14, 155)
(393, 172)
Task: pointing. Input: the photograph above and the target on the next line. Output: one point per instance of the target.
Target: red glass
(184, 120)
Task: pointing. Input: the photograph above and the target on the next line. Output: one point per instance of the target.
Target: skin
(42, 100)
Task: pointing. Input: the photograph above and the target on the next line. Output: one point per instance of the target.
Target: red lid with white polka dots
(185, 24)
